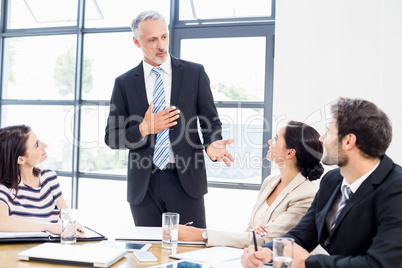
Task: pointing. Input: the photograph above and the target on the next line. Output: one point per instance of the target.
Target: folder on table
(17, 237)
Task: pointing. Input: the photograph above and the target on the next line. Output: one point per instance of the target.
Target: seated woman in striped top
(30, 198)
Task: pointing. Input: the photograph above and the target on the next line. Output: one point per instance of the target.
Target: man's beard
(339, 158)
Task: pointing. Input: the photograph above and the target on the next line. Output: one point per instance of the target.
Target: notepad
(85, 255)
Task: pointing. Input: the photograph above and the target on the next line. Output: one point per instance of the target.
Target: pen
(255, 242)
(188, 223)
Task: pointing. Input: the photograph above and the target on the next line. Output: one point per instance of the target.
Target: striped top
(37, 203)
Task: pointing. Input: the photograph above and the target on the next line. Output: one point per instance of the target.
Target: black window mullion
(77, 104)
(3, 23)
(268, 97)
(239, 104)
(243, 20)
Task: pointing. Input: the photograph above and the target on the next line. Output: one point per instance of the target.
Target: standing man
(357, 213)
(154, 111)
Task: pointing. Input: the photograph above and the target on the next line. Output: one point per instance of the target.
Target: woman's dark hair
(13, 140)
(306, 141)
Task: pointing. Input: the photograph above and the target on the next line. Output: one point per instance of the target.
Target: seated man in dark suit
(357, 213)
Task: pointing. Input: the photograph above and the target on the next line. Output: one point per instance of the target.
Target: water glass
(283, 252)
(170, 230)
(69, 218)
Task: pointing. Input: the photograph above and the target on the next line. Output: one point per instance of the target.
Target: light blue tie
(161, 151)
(346, 194)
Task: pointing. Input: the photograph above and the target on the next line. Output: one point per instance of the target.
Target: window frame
(178, 30)
(226, 28)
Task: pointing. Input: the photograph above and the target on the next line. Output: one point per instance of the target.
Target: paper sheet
(133, 233)
(210, 255)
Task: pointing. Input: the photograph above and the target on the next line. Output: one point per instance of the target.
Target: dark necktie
(346, 194)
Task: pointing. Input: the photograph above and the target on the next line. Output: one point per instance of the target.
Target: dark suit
(368, 232)
(191, 94)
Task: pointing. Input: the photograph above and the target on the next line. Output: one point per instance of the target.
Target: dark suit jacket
(369, 229)
(192, 95)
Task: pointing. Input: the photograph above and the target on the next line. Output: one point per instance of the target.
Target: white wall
(326, 49)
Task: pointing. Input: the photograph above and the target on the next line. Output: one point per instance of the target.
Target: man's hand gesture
(154, 123)
(217, 151)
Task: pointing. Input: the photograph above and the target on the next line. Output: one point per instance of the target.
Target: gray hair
(143, 16)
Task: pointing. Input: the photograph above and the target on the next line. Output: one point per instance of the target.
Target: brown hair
(367, 122)
(13, 140)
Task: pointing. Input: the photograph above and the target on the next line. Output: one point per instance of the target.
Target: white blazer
(283, 214)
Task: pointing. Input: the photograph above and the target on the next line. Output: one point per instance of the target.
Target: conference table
(9, 258)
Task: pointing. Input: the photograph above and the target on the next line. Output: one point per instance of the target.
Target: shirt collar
(166, 66)
(356, 184)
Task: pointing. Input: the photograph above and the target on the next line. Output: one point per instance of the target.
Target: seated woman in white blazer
(284, 198)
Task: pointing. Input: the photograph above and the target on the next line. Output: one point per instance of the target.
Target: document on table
(140, 233)
(6, 237)
(211, 255)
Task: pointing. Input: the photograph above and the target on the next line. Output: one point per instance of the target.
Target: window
(44, 13)
(239, 62)
(39, 67)
(223, 9)
(59, 60)
(48, 123)
(222, 58)
(106, 56)
(119, 13)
